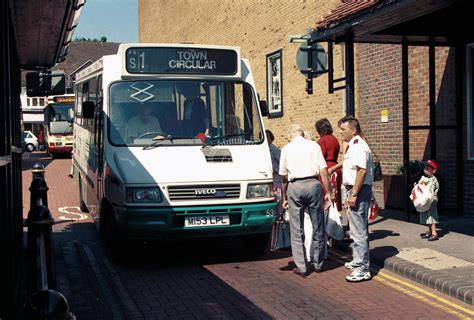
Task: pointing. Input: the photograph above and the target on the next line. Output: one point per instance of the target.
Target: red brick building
(406, 65)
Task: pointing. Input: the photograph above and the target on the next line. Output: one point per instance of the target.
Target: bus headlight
(259, 191)
(143, 195)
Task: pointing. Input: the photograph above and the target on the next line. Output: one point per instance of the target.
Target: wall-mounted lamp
(298, 39)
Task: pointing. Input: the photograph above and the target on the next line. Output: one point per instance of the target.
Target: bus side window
(118, 123)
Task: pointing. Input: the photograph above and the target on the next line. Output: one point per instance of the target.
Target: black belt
(350, 186)
(300, 179)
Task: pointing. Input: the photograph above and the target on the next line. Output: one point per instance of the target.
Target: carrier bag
(280, 235)
(374, 209)
(334, 227)
(422, 197)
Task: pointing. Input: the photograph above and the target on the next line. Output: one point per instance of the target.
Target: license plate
(208, 221)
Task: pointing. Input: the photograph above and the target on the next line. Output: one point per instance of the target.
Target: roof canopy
(442, 22)
(43, 30)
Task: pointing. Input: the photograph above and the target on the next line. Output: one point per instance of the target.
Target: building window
(274, 84)
(470, 98)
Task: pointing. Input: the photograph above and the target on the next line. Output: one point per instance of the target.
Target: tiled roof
(345, 9)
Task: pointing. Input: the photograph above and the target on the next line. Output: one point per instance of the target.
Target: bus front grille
(186, 193)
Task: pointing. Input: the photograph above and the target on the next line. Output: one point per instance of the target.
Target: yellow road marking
(388, 280)
(421, 298)
(445, 301)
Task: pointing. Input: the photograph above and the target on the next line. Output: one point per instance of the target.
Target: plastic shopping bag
(334, 227)
(422, 197)
(374, 209)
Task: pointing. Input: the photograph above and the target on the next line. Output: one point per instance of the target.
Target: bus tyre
(83, 206)
(257, 243)
(112, 238)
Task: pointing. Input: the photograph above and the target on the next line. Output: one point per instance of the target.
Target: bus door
(91, 90)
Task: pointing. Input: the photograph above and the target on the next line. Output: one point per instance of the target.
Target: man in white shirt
(357, 178)
(301, 162)
(143, 123)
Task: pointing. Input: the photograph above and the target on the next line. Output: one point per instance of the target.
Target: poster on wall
(274, 84)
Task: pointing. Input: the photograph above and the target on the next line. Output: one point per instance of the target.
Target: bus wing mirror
(88, 109)
(71, 115)
(263, 108)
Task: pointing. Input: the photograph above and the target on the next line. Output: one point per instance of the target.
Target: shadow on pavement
(380, 234)
(168, 280)
(452, 223)
(380, 254)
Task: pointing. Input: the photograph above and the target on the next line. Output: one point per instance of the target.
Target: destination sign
(69, 99)
(181, 60)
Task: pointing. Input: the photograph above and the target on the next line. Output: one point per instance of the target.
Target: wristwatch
(353, 194)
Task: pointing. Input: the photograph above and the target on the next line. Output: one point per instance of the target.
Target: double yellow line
(417, 293)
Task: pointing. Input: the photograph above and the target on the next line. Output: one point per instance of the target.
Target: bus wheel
(82, 204)
(256, 243)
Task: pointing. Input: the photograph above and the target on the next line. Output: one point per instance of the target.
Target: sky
(115, 19)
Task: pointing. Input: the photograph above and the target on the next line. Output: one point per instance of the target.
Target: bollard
(38, 171)
(47, 305)
(42, 273)
(38, 188)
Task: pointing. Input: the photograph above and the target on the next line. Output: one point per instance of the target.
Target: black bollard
(38, 188)
(41, 266)
(38, 171)
(47, 305)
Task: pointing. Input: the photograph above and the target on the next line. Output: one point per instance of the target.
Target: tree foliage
(84, 39)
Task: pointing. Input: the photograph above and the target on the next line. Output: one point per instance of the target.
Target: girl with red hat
(430, 217)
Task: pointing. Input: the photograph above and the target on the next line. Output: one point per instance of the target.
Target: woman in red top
(330, 148)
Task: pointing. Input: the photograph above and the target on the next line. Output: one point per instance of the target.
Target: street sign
(318, 59)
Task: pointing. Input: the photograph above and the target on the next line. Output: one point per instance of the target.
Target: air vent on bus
(196, 192)
(217, 155)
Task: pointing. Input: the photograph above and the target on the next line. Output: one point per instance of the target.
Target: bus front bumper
(159, 223)
(64, 149)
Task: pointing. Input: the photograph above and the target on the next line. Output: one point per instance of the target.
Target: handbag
(280, 235)
(334, 228)
(378, 176)
(374, 209)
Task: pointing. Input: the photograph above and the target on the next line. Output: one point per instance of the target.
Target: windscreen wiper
(213, 141)
(160, 141)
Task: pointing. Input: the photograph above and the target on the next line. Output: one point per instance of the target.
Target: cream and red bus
(58, 121)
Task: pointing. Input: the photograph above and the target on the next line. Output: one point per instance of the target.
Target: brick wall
(259, 28)
(380, 87)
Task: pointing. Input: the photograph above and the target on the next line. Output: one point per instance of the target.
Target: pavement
(446, 265)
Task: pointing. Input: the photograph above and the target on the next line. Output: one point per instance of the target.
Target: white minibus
(169, 142)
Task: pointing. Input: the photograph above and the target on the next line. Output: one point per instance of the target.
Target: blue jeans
(359, 227)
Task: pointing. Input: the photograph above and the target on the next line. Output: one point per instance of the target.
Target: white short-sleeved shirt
(137, 127)
(301, 158)
(357, 154)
